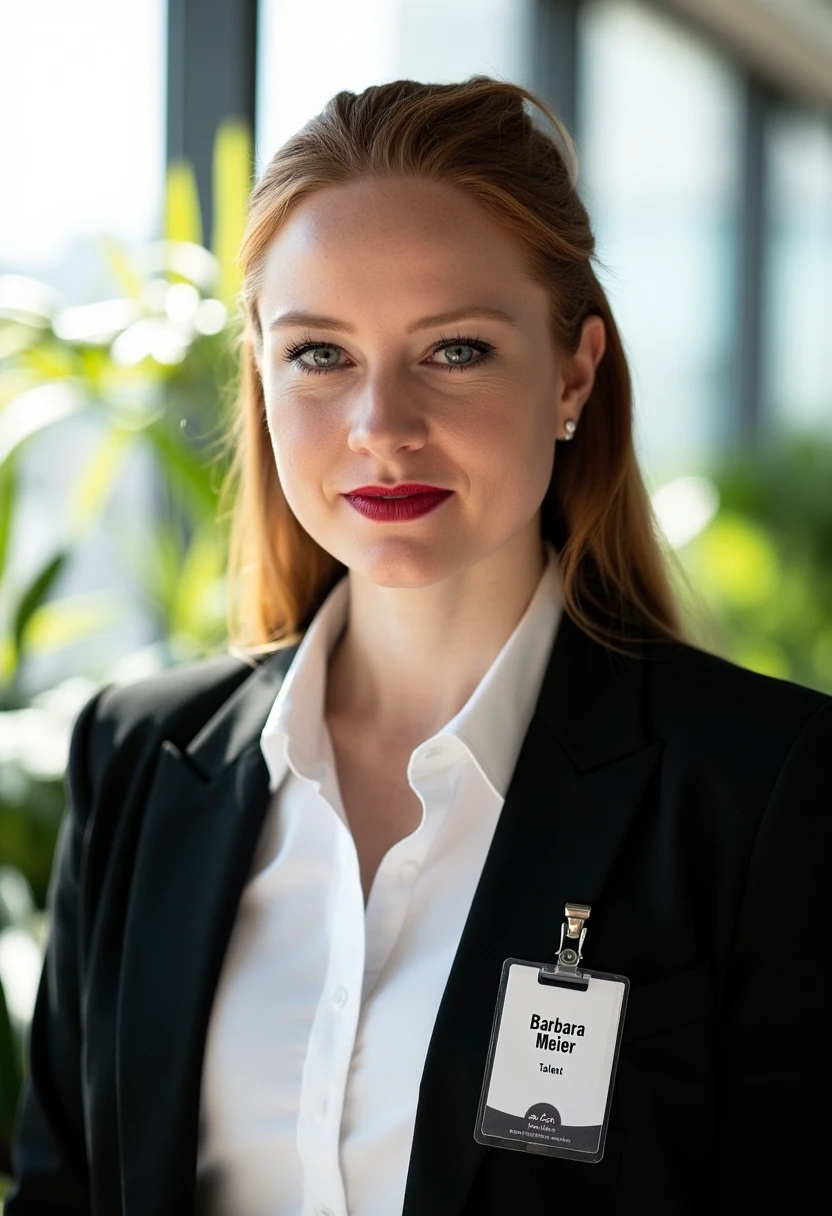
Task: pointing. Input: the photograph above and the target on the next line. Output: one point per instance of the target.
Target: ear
(579, 370)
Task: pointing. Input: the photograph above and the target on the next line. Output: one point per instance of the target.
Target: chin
(402, 562)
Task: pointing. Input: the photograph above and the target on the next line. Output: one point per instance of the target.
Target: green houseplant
(153, 369)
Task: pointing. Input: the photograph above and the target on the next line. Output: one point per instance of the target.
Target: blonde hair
(476, 136)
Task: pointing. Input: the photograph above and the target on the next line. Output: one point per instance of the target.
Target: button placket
(393, 885)
(332, 1040)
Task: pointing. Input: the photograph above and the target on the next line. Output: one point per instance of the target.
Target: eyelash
(292, 353)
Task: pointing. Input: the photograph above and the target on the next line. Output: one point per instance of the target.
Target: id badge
(553, 1054)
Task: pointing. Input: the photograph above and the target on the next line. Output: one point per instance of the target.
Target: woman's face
(378, 257)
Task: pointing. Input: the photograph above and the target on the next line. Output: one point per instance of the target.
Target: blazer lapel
(579, 779)
(201, 822)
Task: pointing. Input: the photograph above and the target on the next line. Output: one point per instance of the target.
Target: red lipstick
(407, 501)
(406, 487)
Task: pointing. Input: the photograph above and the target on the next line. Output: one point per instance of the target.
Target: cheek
(538, 437)
(296, 423)
(512, 446)
(299, 443)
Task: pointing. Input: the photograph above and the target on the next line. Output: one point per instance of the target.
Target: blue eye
(292, 354)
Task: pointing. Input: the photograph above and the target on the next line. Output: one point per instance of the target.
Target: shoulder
(172, 697)
(736, 719)
(691, 681)
(131, 719)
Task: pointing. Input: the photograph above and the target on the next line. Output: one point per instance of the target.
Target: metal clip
(574, 928)
(568, 957)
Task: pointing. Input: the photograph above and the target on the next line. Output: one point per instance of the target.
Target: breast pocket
(668, 1003)
(664, 1101)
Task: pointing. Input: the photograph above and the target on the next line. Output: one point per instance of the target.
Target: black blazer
(685, 798)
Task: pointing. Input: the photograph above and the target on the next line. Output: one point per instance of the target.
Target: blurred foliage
(155, 371)
(22, 931)
(30, 811)
(764, 563)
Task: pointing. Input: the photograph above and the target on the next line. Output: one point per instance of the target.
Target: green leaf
(8, 498)
(232, 178)
(59, 623)
(121, 265)
(183, 218)
(198, 605)
(182, 466)
(96, 363)
(156, 562)
(35, 410)
(52, 359)
(17, 336)
(8, 659)
(97, 480)
(14, 381)
(35, 594)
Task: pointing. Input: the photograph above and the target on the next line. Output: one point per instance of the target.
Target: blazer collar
(579, 778)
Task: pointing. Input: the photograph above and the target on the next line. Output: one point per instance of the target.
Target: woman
(289, 876)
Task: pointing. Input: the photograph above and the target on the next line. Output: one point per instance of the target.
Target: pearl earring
(570, 426)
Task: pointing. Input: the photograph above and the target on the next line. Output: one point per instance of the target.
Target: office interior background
(129, 134)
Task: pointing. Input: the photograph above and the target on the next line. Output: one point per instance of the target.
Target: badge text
(546, 1041)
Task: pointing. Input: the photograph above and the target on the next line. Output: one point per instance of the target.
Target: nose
(384, 420)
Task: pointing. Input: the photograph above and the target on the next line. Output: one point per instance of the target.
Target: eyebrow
(317, 321)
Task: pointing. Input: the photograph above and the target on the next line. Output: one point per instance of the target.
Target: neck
(409, 658)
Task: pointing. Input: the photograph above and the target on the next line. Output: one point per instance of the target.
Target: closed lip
(410, 487)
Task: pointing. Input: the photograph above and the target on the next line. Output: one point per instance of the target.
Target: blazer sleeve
(49, 1157)
(773, 1042)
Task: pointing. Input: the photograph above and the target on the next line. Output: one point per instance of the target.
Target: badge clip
(565, 971)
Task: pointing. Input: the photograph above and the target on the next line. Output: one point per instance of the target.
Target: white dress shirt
(324, 1010)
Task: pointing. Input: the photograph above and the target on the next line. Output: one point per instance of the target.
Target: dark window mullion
(554, 52)
(212, 56)
(748, 367)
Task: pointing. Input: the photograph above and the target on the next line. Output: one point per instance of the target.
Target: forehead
(408, 243)
(387, 208)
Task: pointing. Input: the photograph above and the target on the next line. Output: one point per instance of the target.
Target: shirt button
(409, 869)
(339, 998)
(319, 1113)
(433, 751)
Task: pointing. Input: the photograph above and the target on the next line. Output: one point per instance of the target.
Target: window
(659, 140)
(82, 144)
(82, 141)
(797, 350)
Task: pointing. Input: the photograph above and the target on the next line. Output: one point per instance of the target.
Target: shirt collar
(491, 725)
